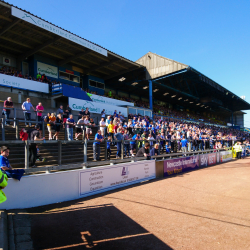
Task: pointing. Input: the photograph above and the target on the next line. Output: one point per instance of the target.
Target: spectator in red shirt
(20, 74)
(8, 104)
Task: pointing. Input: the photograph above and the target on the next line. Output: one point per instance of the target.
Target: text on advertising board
(58, 31)
(175, 166)
(111, 177)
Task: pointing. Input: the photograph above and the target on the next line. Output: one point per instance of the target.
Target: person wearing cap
(34, 135)
(6, 167)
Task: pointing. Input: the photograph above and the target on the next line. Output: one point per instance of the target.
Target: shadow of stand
(96, 227)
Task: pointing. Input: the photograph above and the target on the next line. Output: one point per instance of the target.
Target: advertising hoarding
(208, 159)
(47, 69)
(109, 101)
(226, 156)
(95, 107)
(21, 83)
(179, 165)
(97, 180)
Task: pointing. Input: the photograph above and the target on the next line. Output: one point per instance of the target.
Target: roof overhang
(23, 35)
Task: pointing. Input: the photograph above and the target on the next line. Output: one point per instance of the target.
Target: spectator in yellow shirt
(111, 129)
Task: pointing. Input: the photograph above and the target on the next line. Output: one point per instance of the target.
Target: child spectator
(108, 147)
(167, 147)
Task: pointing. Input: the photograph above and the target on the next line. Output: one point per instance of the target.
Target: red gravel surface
(204, 209)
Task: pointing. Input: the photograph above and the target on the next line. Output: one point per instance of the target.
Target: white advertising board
(21, 83)
(95, 107)
(43, 189)
(226, 156)
(98, 180)
(56, 30)
(47, 69)
(109, 101)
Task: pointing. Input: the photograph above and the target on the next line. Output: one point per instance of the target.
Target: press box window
(96, 84)
(69, 77)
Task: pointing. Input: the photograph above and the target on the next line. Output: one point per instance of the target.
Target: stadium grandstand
(52, 66)
(31, 46)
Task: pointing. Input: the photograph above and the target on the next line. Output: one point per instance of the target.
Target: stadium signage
(109, 101)
(226, 156)
(47, 69)
(95, 107)
(179, 165)
(208, 159)
(20, 83)
(110, 177)
(58, 31)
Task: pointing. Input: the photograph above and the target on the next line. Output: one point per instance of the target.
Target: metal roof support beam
(39, 47)
(196, 90)
(104, 64)
(9, 26)
(188, 86)
(16, 42)
(71, 58)
(6, 18)
(120, 73)
(176, 90)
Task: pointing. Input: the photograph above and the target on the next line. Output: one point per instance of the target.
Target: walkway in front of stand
(204, 209)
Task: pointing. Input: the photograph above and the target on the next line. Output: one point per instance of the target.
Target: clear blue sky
(211, 36)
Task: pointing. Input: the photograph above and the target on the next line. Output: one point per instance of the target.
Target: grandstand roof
(187, 88)
(23, 39)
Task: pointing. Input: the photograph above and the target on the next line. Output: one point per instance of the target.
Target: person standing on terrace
(39, 110)
(26, 110)
(8, 105)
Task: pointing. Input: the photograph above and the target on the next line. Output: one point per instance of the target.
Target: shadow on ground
(97, 227)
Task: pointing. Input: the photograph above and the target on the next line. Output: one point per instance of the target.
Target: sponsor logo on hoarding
(47, 69)
(204, 160)
(211, 159)
(125, 171)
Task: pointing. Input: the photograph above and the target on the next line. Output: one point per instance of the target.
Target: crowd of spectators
(143, 135)
(39, 77)
(157, 109)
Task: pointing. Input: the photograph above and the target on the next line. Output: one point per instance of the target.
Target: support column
(150, 94)
(232, 118)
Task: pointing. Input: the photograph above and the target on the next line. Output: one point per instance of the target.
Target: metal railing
(84, 144)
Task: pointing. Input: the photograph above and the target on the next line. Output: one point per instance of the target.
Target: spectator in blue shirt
(184, 143)
(5, 165)
(167, 147)
(136, 137)
(108, 147)
(26, 106)
(115, 114)
(96, 146)
(70, 125)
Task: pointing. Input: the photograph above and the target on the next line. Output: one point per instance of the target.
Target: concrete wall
(157, 65)
(43, 189)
